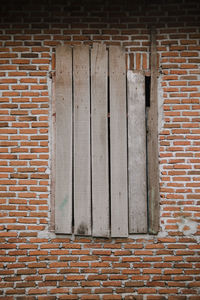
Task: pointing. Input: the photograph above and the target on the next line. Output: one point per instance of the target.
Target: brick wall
(34, 262)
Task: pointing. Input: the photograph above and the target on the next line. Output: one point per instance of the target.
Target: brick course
(34, 262)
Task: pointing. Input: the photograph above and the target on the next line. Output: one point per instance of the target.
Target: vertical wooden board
(63, 98)
(137, 153)
(118, 142)
(53, 148)
(82, 186)
(152, 145)
(99, 128)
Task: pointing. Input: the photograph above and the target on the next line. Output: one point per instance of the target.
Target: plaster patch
(162, 234)
(47, 170)
(160, 105)
(188, 226)
(46, 234)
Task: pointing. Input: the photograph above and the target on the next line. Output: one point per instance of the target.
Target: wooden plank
(63, 189)
(99, 128)
(152, 144)
(137, 153)
(82, 186)
(118, 142)
(53, 147)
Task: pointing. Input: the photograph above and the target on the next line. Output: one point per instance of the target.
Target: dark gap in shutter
(147, 105)
(147, 90)
(72, 140)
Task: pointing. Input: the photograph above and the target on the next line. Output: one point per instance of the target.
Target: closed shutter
(100, 170)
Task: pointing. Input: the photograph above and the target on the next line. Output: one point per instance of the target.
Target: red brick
(146, 291)
(129, 267)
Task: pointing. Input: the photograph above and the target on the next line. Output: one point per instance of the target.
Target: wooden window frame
(152, 221)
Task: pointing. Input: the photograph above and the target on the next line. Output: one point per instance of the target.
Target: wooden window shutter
(100, 170)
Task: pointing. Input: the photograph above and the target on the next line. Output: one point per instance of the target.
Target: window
(100, 160)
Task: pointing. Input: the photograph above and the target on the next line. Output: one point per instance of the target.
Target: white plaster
(160, 105)
(46, 234)
(162, 234)
(192, 225)
(47, 171)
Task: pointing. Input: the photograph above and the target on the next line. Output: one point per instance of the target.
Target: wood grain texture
(99, 128)
(118, 143)
(137, 153)
(53, 151)
(82, 184)
(152, 144)
(63, 97)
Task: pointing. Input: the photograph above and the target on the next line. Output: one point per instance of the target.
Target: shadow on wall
(109, 12)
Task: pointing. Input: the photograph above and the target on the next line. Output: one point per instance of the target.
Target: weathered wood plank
(82, 186)
(99, 128)
(63, 95)
(152, 144)
(137, 153)
(53, 149)
(118, 142)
